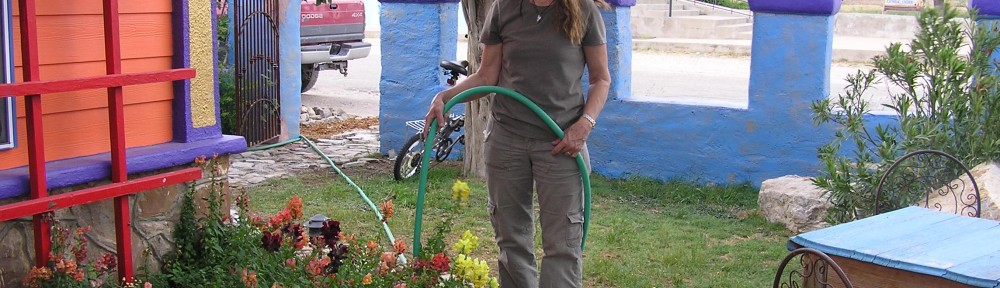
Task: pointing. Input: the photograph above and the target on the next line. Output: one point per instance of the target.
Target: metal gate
(258, 116)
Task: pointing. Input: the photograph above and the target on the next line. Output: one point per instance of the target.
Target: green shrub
(735, 4)
(949, 102)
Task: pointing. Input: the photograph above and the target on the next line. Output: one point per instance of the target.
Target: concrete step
(707, 21)
(662, 7)
(845, 48)
(738, 31)
(654, 20)
(664, 13)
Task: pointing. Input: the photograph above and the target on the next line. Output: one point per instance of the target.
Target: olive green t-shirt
(540, 62)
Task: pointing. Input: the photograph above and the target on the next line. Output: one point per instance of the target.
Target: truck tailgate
(340, 21)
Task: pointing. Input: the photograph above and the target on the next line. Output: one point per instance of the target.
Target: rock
(304, 109)
(794, 201)
(243, 165)
(14, 253)
(987, 177)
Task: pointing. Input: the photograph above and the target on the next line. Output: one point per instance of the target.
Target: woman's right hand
(436, 111)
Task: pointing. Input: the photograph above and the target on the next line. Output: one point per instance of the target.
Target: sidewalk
(845, 48)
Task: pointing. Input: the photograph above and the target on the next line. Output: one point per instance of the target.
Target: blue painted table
(912, 247)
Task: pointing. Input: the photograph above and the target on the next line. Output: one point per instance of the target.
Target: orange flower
(367, 280)
(372, 245)
(349, 238)
(389, 258)
(316, 266)
(387, 210)
(249, 278)
(400, 246)
(294, 207)
(37, 275)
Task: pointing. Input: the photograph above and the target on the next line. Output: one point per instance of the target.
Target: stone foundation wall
(154, 216)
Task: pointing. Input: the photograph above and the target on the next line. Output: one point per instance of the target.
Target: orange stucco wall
(71, 45)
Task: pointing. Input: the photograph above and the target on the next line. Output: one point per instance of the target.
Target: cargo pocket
(492, 209)
(574, 232)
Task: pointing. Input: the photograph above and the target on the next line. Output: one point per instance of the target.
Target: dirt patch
(326, 129)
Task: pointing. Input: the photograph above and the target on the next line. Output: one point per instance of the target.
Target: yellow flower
(494, 283)
(460, 190)
(367, 280)
(474, 271)
(465, 245)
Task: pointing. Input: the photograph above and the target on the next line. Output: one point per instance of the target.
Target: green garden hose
(425, 160)
(385, 227)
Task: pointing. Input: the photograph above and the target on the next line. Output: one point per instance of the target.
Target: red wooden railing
(32, 89)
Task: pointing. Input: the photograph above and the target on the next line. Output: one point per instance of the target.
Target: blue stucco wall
(415, 38)
(790, 68)
(290, 52)
(772, 137)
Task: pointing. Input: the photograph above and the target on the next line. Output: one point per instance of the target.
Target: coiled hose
(425, 160)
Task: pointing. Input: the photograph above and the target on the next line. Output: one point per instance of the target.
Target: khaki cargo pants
(514, 166)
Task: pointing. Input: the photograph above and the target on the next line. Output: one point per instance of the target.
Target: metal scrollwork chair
(931, 179)
(814, 271)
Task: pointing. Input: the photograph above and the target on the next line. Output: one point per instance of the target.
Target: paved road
(656, 76)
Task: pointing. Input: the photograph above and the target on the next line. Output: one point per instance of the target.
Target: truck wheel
(309, 76)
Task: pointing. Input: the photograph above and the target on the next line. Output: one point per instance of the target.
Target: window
(7, 119)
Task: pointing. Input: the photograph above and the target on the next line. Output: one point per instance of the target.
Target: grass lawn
(643, 233)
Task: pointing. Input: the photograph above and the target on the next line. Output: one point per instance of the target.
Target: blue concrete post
(617, 23)
(290, 55)
(791, 53)
(416, 36)
(790, 56)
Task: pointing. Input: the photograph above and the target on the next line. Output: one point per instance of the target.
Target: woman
(538, 48)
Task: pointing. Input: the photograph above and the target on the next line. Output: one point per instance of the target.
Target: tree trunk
(476, 112)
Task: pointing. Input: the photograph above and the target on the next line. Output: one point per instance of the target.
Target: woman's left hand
(575, 137)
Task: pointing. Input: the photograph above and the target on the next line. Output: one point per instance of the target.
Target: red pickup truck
(333, 33)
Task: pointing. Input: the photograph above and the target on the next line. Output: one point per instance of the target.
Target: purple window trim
(9, 113)
(80, 170)
(805, 7)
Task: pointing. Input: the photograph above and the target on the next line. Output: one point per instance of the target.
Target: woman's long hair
(572, 18)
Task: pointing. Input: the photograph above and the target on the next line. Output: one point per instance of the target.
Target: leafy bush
(949, 102)
(227, 99)
(248, 251)
(735, 4)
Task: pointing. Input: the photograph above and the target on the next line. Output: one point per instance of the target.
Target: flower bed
(216, 249)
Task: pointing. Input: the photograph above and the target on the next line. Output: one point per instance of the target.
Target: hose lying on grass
(378, 215)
